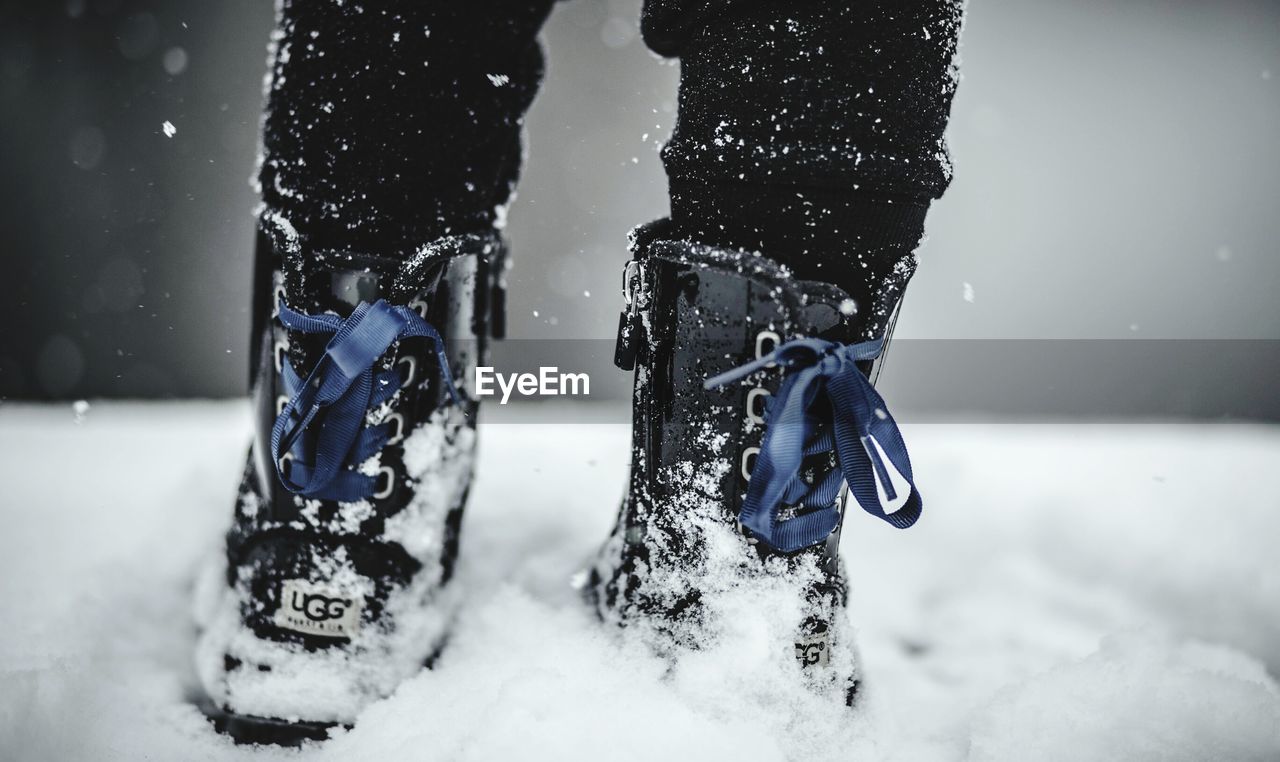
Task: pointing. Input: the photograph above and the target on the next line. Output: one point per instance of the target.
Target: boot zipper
(630, 324)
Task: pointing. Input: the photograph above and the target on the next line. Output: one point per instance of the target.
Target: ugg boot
(752, 407)
(335, 587)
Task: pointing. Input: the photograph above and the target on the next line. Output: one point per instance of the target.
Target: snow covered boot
(335, 587)
(753, 405)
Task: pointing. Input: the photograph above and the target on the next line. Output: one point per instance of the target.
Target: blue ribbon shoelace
(855, 423)
(322, 428)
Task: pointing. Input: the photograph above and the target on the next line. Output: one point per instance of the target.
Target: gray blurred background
(1116, 188)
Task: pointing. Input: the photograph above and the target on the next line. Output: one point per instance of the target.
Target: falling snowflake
(169, 129)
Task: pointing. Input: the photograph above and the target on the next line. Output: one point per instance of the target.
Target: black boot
(752, 405)
(346, 527)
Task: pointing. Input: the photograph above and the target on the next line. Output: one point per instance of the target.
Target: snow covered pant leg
(390, 122)
(811, 131)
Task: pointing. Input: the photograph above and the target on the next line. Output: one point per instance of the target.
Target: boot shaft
(454, 284)
(700, 312)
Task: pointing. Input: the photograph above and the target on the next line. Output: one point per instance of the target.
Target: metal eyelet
(385, 493)
(747, 463)
(278, 351)
(752, 396)
(411, 374)
(281, 403)
(277, 295)
(763, 336)
(399, 435)
(419, 306)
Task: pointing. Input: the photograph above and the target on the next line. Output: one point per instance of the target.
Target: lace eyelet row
(385, 484)
(386, 472)
(766, 342)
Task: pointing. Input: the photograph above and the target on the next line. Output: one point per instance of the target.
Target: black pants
(811, 130)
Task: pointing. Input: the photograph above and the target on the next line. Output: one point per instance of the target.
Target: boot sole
(247, 729)
(270, 731)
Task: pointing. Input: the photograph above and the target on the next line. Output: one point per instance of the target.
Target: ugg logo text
(308, 608)
(813, 651)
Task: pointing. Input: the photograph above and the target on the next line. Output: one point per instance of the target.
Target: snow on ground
(1073, 592)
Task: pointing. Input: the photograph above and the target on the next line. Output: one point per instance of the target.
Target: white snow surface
(1102, 591)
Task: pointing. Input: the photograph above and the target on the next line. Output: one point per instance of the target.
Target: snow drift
(1073, 592)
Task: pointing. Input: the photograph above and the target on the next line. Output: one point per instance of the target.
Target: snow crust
(1072, 592)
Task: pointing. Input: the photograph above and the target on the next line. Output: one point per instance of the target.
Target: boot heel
(246, 730)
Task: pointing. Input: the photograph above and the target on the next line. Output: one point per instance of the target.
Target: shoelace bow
(329, 407)
(855, 423)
